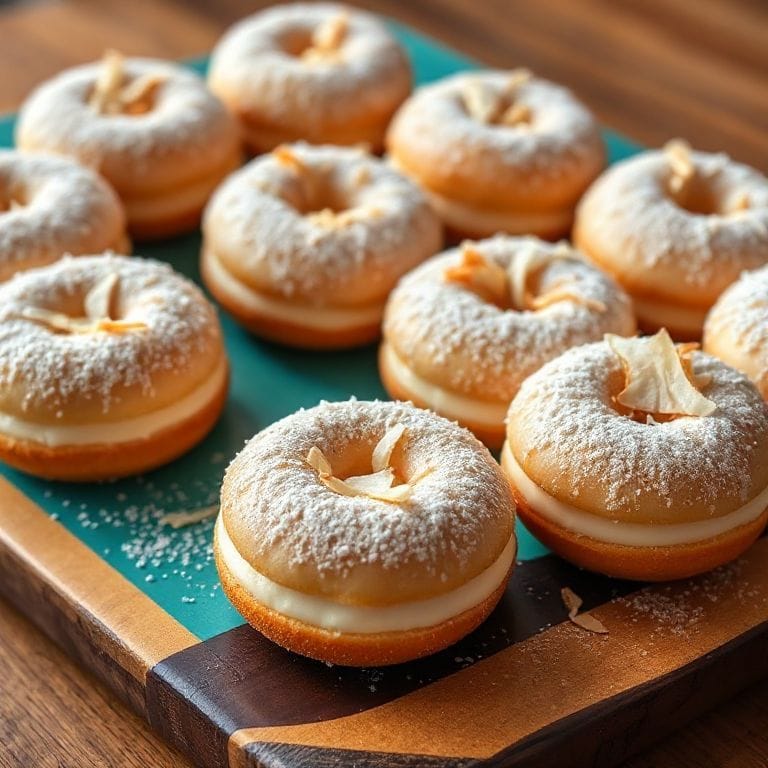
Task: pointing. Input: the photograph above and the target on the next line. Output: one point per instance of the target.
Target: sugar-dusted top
(274, 224)
(451, 336)
(565, 431)
(50, 206)
(46, 374)
(294, 529)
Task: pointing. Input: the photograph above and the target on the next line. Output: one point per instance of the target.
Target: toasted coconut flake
(378, 482)
(117, 326)
(481, 101)
(185, 517)
(566, 294)
(287, 157)
(137, 96)
(527, 263)
(656, 380)
(333, 220)
(58, 321)
(98, 301)
(327, 38)
(362, 176)
(586, 621)
(105, 97)
(516, 114)
(316, 459)
(518, 77)
(483, 276)
(382, 453)
(678, 154)
(742, 202)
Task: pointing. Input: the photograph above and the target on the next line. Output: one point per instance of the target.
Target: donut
(109, 366)
(675, 228)
(51, 206)
(364, 533)
(640, 459)
(304, 244)
(736, 328)
(463, 330)
(498, 152)
(324, 72)
(151, 128)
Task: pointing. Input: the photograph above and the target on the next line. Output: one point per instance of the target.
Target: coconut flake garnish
(510, 286)
(97, 305)
(112, 96)
(490, 105)
(379, 484)
(327, 38)
(657, 382)
(188, 517)
(586, 621)
(678, 153)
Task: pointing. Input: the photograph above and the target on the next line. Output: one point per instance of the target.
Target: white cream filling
(337, 617)
(445, 402)
(627, 534)
(305, 315)
(112, 432)
(665, 315)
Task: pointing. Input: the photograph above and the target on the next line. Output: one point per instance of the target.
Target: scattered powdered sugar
(450, 335)
(562, 138)
(63, 208)
(253, 64)
(276, 509)
(186, 122)
(52, 369)
(741, 316)
(257, 221)
(704, 463)
(629, 221)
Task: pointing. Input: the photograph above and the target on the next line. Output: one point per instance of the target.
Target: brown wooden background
(652, 69)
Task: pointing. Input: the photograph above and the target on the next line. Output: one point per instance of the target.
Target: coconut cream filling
(626, 534)
(112, 432)
(667, 315)
(305, 315)
(337, 617)
(445, 402)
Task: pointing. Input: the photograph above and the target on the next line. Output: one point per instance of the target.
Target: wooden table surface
(653, 70)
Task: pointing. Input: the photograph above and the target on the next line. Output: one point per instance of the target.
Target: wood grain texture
(653, 70)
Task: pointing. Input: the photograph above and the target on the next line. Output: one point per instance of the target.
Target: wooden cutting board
(136, 601)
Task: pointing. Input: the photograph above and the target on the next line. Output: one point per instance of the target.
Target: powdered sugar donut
(51, 206)
(108, 366)
(675, 228)
(736, 328)
(303, 245)
(653, 490)
(498, 152)
(322, 72)
(463, 330)
(364, 533)
(151, 128)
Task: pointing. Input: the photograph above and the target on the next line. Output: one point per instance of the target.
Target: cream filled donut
(303, 245)
(462, 331)
(108, 366)
(151, 128)
(640, 459)
(498, 152)
(675, 228)
(364, 533)
(322, 72)
(51, 206)
(736, 328)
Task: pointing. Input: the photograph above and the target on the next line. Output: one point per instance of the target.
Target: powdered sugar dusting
(708, 464)
(275, 506)
(52, 369)
(257, 222)
(450, 335)
(631, 223)
(64, 208)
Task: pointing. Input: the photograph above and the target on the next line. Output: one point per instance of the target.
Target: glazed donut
(498, 152)
(109, 366)
(462, 331)
(322, 72)
(303, 245)
(609, 477)
(51, 206)
(151, 128)
(375, 569)
(675, 228)
(736, 328)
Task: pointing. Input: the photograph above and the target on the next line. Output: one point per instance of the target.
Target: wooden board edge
(95, 614)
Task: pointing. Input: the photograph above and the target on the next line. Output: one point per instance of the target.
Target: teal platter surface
(123, 521)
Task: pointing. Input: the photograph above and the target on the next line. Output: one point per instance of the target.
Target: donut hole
(12, 199)
(355, 459)
(321, 194)
(295, 42)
